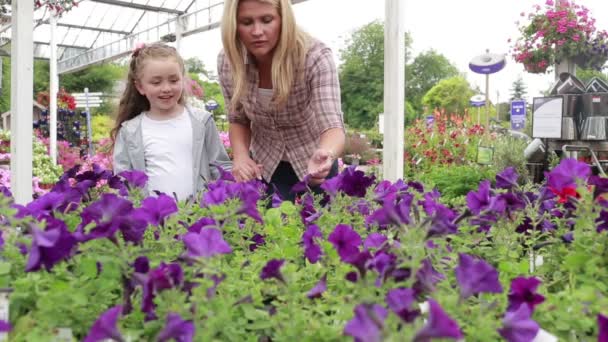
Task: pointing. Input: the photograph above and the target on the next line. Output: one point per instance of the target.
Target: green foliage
(509, 152)
(98, 78)
(427, 69)
(518, 89)
(451, 95)
(5, 96)
(245, 308)
(42, 166)
(196, 66)
(456, 181)
(362, 75)
(101, 126)
(585, 75)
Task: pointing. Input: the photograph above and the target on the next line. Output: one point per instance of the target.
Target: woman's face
(259, 28)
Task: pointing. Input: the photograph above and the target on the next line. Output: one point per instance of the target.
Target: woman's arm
(326, 102)
(244, 167)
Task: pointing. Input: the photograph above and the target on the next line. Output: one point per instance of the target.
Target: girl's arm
(121, 161)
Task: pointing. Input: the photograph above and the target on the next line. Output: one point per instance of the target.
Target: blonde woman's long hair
(289, 54)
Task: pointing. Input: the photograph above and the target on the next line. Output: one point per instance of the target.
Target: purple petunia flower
(523, 291)
(346, 241)
(4, 326)
(442, 222)
(475, 276)
(50, 246)
(312, 251)
(301, 186)
(426, 278)
(272, 269)
(105, 326)
(374, 240)
(134, 178)
(367, 324)
(602, 221)
(401, 301)
(176, 329)
(507, 178)
(566, 173)
(156, 209)
(600, 185)
(479, 200)
(164, 277)
(141, 264)
(352, 182)
(518, 325)
(217, 280)
(276, 200)
(108, 212)
(204, 222)
(319, 288)
(396, 211)
(257, 240)
(602, 323)
(439, 325)
(209, 242)
(308, 213)
(1, 241)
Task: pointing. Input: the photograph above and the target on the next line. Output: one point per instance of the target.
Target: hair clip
(138, 48)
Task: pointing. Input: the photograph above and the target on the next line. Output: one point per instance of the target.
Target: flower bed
(376, 261)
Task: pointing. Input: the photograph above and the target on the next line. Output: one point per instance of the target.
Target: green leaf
(5, 268)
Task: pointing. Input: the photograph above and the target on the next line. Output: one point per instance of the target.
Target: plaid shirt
(294, 130)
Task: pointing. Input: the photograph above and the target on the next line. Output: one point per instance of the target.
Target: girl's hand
(245, 169)
(319, 165)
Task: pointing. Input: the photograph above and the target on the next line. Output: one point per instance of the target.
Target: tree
(98, 78)
(196, 66)
(518, 90)
(423, 73)
(451, 95)
(362, 75)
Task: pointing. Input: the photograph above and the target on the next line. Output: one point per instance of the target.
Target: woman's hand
(319, 165)
(245, 169)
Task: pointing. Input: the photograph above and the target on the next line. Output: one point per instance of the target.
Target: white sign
(547, 117)
(381, 123)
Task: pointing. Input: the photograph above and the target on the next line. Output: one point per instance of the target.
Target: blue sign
(211, 105)
(518, 114)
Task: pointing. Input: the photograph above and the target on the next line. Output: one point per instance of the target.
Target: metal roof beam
(91, 28)
(64, 45)
(139, 6)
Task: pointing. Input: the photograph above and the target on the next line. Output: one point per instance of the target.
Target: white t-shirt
(168, 155)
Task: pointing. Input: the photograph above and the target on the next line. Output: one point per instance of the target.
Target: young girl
(175, 145)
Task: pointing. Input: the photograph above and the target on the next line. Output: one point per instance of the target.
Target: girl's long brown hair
(132, 103)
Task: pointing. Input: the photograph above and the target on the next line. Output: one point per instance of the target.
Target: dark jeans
(284, 178)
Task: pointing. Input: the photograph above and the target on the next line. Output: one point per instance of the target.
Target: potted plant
(559, 32)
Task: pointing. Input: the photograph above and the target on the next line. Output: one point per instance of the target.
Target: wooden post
(22, 88)
(394, 89)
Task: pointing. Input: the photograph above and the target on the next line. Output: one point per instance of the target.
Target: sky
(460, 30)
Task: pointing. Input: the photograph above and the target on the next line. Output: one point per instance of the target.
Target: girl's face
(259, 28)
(161, 82)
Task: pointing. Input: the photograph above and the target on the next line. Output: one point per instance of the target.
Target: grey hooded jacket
(207, 151)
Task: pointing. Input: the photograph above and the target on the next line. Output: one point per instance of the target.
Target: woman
(282, 93)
